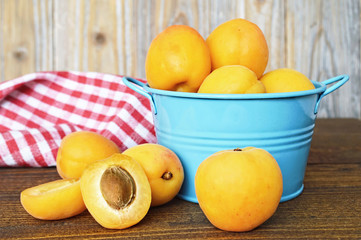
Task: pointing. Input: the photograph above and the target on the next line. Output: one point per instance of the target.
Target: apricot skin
(239, 190)
(116, 216)
(78, 149)
(163, 168)
(238, 42)
(286, 80)
(53, 200)
(235, 79)
(177, 60)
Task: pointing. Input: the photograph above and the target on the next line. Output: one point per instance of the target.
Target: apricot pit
(117, 187)
(116, 191)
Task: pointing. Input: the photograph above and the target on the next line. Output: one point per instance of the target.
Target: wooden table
(329, 207)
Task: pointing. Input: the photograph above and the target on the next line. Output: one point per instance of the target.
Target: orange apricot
(53, 200)
(163, 168)
(177, 60)
(232, 79)
(285, 80)
(78, 149)
(238, 42)
(239, 189)
(116, 191)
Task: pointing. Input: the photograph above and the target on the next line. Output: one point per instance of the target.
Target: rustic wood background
(320, 38)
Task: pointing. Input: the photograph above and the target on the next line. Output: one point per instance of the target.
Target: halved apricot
(53, 200)
(116, 191)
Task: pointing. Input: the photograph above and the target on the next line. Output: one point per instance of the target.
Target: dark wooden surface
(329, 207)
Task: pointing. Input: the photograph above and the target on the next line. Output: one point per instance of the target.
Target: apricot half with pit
(163, 168)
(239, 189)
(53, 200)
(116, 191)
(78, 149)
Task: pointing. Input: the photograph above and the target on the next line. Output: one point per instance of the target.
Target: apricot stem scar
(237, 149)
(167, 175)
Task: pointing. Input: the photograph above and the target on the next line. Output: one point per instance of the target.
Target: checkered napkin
(37, 110)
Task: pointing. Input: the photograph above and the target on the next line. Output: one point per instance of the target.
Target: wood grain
(18, 38)
(319, 38)
(319, 35)
(329, 208)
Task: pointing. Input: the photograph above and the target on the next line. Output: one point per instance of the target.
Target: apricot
(116, 191)
(78, 149)
(163, 169)
(239, 189)
(177, 60)
(232, 79)
(53, 200)
(286, 80)
(238, 42)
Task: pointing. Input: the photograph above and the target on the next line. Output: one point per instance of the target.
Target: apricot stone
(116, 191)
(117, 187)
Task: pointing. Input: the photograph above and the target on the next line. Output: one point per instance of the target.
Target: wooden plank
(43, 33)
(269, 16)
(18, 38)
(319, 36)
(100, 30)
(26, 37)
(2, 50)
(328, 208)
(86, 40)
(68, 35)
(337, 141)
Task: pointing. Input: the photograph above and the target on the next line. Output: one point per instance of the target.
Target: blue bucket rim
(319, 89)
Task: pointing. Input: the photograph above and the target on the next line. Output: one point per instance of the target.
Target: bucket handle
(341, 80)
(138, 86)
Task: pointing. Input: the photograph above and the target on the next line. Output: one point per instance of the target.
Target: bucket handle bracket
(138, 86)
(339, 81)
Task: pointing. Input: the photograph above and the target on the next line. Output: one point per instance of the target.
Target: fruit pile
(237, 189)
(117, 188)
(231, 60)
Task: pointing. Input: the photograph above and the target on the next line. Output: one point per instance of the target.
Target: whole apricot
(163, 169)
(239, 189)
(53, 200)
(178, 60)
(286, 80)
(78, 149)
(238, 42)
(116, 191)
(232, 79)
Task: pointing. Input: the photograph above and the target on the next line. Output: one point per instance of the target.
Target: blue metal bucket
(196, 125)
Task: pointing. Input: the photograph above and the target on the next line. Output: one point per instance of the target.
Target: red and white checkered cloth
(37, 110)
